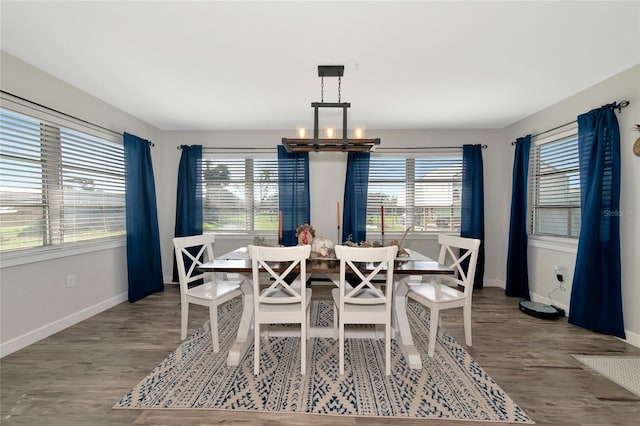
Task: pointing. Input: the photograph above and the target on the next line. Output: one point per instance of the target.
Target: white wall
(543, 255)
(35, 301)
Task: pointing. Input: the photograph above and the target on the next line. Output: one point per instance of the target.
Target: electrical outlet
(559, 271)
(71, 280)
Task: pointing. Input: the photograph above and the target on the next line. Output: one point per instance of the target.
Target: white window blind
(240, 194)
(554, 186)
(422, 192)
(59, 183)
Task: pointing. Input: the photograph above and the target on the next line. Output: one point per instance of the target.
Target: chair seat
(437, 293)
(360, 313)
(206, 291)
(284, 308)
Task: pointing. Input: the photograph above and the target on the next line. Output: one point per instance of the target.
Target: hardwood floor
(77, 375)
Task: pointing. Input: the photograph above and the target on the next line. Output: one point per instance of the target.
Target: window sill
(565, 245)
(27, 256)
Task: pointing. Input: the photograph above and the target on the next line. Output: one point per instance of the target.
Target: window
(554, 186)
(422, 193)
(240, 194)
(61, 182)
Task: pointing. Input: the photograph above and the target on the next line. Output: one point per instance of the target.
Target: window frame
(214, 154)
(50, 118)
(564, 243)
(411, 181)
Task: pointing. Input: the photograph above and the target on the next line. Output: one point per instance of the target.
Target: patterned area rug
(450, 386)
(623, 370)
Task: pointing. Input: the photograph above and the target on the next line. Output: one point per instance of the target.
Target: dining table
(409, 269)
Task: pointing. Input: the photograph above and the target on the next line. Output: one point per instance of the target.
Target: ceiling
(213, 65)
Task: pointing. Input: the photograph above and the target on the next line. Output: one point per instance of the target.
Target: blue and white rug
(451, 385)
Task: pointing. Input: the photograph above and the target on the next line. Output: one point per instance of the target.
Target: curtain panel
(596, 294)
(189, 220)
(517, 267)
(293, 193)
(472, 206)
(144, 264)
(354, 216)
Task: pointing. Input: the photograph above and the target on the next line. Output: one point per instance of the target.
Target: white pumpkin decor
(322, 246)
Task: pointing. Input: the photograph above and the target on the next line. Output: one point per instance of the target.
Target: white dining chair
(442, 291)
(192, 252)
(283, 301)
(362, 301)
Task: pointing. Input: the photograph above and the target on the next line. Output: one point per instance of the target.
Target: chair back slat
(366, 292)
(460, 254)
(263, 259)
(196, 249)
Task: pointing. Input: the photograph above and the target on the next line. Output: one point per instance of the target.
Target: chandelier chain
(322, 89)
(339, 87)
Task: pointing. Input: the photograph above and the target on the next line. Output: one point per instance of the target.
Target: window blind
(554, 187)
(58, 183)
(419, 192)
(240, 194)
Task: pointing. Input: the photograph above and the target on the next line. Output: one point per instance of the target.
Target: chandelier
(329, 143)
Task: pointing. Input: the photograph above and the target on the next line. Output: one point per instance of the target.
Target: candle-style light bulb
(358, 132)
(330, 132)
(302, 131)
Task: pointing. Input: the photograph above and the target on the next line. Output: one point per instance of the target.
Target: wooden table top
(238, 261)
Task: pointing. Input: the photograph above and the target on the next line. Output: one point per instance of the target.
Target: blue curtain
(517, 269)
(596, 301)
(189, 196)
(143, 237)
(472, 209)
(354, 216)
(293, 193)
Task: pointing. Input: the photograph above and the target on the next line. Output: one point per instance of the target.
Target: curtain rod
(622, 104)
(232, 148)
(395, 148)
(66, 115)
(425, 147)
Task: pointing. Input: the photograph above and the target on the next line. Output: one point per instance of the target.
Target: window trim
(414, 155)
(39, 254)
(554, 242)
(561, 244)
(216, 154)
(50, 117)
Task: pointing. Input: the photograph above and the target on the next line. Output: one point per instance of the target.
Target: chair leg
(184, 320)
(433, 331)
(308, 323)
(335, 319)
(341, 345)
(303, 345)
(467, 324)
(213, 320)
(256, 348)
(387, 348)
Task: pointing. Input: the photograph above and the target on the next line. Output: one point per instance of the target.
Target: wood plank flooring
(77, 375)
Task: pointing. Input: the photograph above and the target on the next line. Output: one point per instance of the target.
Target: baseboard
(545, 299)
(27, 339)
(492, 282)
(632, 338)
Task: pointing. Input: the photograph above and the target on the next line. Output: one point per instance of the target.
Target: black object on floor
(538, 310)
